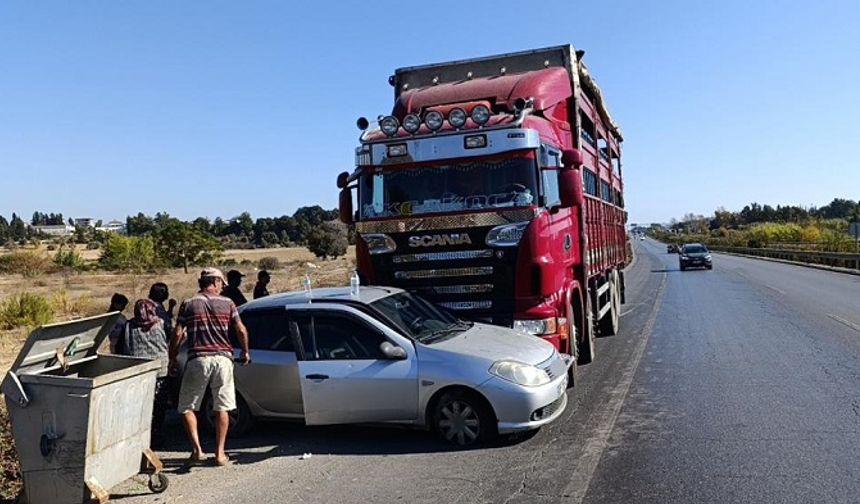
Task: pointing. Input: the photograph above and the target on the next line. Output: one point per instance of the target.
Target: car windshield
(695, 249)
(449, 188)
(418, 318)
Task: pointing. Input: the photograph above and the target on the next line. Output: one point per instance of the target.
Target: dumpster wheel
(158, 482)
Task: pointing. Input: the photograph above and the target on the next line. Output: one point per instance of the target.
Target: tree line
(757, 225)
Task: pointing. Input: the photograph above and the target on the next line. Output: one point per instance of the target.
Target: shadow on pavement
(270, 439)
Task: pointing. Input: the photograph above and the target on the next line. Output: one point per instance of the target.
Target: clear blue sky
(214, 108)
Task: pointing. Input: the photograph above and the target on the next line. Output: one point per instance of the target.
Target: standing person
(145, 337)
(260, 289)
(118, 302)
(231, 290)
(159, 293)
(205, 320)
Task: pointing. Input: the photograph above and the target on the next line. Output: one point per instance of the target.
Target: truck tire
(586, 351)
(609, 324)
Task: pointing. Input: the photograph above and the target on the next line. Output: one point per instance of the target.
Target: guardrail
(834, 259)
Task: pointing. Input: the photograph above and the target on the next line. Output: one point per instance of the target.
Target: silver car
(385, 355)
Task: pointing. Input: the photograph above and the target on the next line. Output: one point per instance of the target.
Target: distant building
(113, 226)
(85, 222)
(54, 230)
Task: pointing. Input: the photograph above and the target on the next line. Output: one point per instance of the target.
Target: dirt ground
(85, 294)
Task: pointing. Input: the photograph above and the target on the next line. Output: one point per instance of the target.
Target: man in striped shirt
(205, 320)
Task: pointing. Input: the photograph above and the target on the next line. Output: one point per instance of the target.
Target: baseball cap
(213, 272)
(235, 274)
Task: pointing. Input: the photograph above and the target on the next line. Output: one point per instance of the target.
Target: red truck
(494, 189)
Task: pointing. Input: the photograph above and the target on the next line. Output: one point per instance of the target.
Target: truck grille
(442, 256)
(443, 273)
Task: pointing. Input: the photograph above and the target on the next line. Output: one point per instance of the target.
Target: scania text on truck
(494, 189)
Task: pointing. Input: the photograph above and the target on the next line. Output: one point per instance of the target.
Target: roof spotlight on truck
(457, 117)
(412, 123)
(389, 125)
(480, 114)
(434, 120)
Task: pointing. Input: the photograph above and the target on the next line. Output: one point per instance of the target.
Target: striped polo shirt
(206, 318)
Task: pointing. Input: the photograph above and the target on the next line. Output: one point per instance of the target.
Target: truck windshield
(418, 318)
(476, 185)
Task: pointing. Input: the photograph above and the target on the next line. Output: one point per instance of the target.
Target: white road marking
(844, 322)
(603, 421)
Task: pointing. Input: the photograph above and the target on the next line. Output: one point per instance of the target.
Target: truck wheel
(586, 351)
(463, 419)
(610, 321)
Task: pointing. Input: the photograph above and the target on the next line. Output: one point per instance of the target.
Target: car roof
(694, 245)
(366, 295)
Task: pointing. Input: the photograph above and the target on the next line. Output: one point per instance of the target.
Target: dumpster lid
(63, 344)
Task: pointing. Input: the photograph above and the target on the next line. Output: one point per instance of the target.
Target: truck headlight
(520, 373)
(412, 123)
(379, 243)
(434, 120)
(507, 235)
(480, 114)
(537, 327)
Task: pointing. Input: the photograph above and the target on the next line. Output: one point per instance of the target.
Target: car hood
(698, 255)
(496, 343)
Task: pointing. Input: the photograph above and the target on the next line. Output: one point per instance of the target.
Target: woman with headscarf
(145, 337)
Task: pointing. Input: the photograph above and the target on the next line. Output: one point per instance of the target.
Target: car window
(340, 337)
(268, 330)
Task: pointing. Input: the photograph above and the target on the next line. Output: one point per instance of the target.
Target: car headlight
(537, 327)
(507, 235)
(708, 257)
(379, 243)
(520, 373)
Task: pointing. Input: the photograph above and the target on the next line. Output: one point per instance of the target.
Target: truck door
(344, 376)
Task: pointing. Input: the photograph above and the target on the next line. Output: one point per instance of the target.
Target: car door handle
(317, 377)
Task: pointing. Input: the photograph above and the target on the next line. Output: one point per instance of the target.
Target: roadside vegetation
(822, 229)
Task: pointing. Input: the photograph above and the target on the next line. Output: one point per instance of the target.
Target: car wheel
(241, 419)
(683, 267)
(461, 418)
(710, 266)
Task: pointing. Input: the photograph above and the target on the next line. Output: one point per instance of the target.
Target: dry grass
(75, 295)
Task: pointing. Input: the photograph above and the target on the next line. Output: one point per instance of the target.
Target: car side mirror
(391, 351)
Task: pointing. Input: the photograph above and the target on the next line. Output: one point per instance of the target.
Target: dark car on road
(695, 255)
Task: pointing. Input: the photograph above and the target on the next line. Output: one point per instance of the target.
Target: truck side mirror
(345, 205)
(570, 187)
(571, 158)
(342, 180)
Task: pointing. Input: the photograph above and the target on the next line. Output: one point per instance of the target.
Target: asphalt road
(740, 384)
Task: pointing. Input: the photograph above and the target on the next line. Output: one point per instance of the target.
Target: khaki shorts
(213, 371)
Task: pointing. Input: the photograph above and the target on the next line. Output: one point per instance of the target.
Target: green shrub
(70, 259)
(128, 253)
(27, 263)
(269, 263)
(29, 310)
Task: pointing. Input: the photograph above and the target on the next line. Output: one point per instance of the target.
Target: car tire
(710, 266)
(683, 267)
(241, 420)
(463, 418)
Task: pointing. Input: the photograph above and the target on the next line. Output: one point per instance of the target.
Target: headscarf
(145, 314)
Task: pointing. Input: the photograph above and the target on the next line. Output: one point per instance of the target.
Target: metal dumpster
(81, 420)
